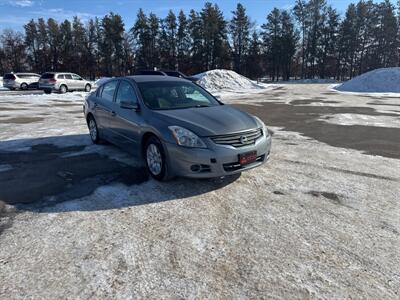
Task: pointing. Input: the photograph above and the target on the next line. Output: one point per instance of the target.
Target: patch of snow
(385, 80)
(227, 80)
(363, 120)
(230, 86)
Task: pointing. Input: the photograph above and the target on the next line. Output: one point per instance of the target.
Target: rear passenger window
(68, 76)
(126, 93)
(108, 90)
(60, 77)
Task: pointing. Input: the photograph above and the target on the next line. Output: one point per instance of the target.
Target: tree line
(311, 40)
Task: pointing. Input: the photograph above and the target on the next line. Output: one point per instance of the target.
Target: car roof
(153, 78)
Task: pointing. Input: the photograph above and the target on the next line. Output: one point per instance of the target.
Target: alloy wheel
(154, 159)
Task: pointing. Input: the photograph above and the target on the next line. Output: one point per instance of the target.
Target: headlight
(186, 138)
(265, 129)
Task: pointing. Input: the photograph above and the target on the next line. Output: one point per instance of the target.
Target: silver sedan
(176, 127)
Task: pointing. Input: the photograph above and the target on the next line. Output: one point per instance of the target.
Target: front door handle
(113, 113)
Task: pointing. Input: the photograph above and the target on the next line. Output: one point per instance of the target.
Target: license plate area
(247, 158)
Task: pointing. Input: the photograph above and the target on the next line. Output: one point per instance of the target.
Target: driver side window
(125, 93)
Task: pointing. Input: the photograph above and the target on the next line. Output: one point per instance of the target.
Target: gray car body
(129, 129)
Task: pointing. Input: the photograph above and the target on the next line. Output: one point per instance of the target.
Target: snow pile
(227, 80)
(385, 80)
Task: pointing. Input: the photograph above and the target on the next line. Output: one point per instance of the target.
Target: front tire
(63, 89)
(93, 130)
(88, 88)
(155, 159)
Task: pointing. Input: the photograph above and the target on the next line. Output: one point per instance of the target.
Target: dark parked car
(177, 127)
(164, 72)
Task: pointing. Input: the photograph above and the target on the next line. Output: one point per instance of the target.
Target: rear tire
(88, 88)
(155, 159)
(63, 89)
(24, 86)
(47, 91)
(93, 130)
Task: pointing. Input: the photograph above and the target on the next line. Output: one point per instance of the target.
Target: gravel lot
(320, 220)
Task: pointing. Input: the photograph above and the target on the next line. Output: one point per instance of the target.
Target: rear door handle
(113, 113)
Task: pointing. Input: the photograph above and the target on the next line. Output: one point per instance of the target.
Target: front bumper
(216, 160)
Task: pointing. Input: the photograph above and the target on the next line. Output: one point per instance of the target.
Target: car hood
(208, 121)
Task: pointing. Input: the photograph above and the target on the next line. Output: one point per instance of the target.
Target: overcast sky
(15, 13)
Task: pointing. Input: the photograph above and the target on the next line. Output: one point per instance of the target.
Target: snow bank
(385, 80)
(227, 80)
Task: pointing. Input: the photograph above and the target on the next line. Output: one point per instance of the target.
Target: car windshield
(168, 95)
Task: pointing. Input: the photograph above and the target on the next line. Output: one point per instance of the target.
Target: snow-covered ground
(316, 221)
(385, 80)
(364, 120)
(41, 115)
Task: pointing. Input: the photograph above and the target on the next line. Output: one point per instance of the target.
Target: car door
(127, 122)
(103, 110)
(79, 83)
(68, 81)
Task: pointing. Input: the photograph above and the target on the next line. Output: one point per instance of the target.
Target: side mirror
(129, 105)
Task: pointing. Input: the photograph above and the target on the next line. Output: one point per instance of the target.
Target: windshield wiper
(201, 105)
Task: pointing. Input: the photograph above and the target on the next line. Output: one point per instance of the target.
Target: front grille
(239, 139)
(237, 166)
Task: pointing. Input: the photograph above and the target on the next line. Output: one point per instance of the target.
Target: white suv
(63, 82)
(21, 81)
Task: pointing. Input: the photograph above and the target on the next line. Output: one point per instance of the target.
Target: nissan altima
(176, 127)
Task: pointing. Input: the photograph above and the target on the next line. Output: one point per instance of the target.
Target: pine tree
(54, 39)
(239, 28)
(142, 41)
(183, 42)
(214, 34)
(254, 64)
(196, 49)
(31, 42)
(171, 27)
(66, 45)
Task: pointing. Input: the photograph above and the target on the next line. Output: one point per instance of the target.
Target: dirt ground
(320, 220)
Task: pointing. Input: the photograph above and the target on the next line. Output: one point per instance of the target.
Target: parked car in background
(164, 72)
(179, 74)
(21, 81)
(177, 127)
(63, 82)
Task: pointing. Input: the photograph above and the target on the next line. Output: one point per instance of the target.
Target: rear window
(47, 76)
(9, 76)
